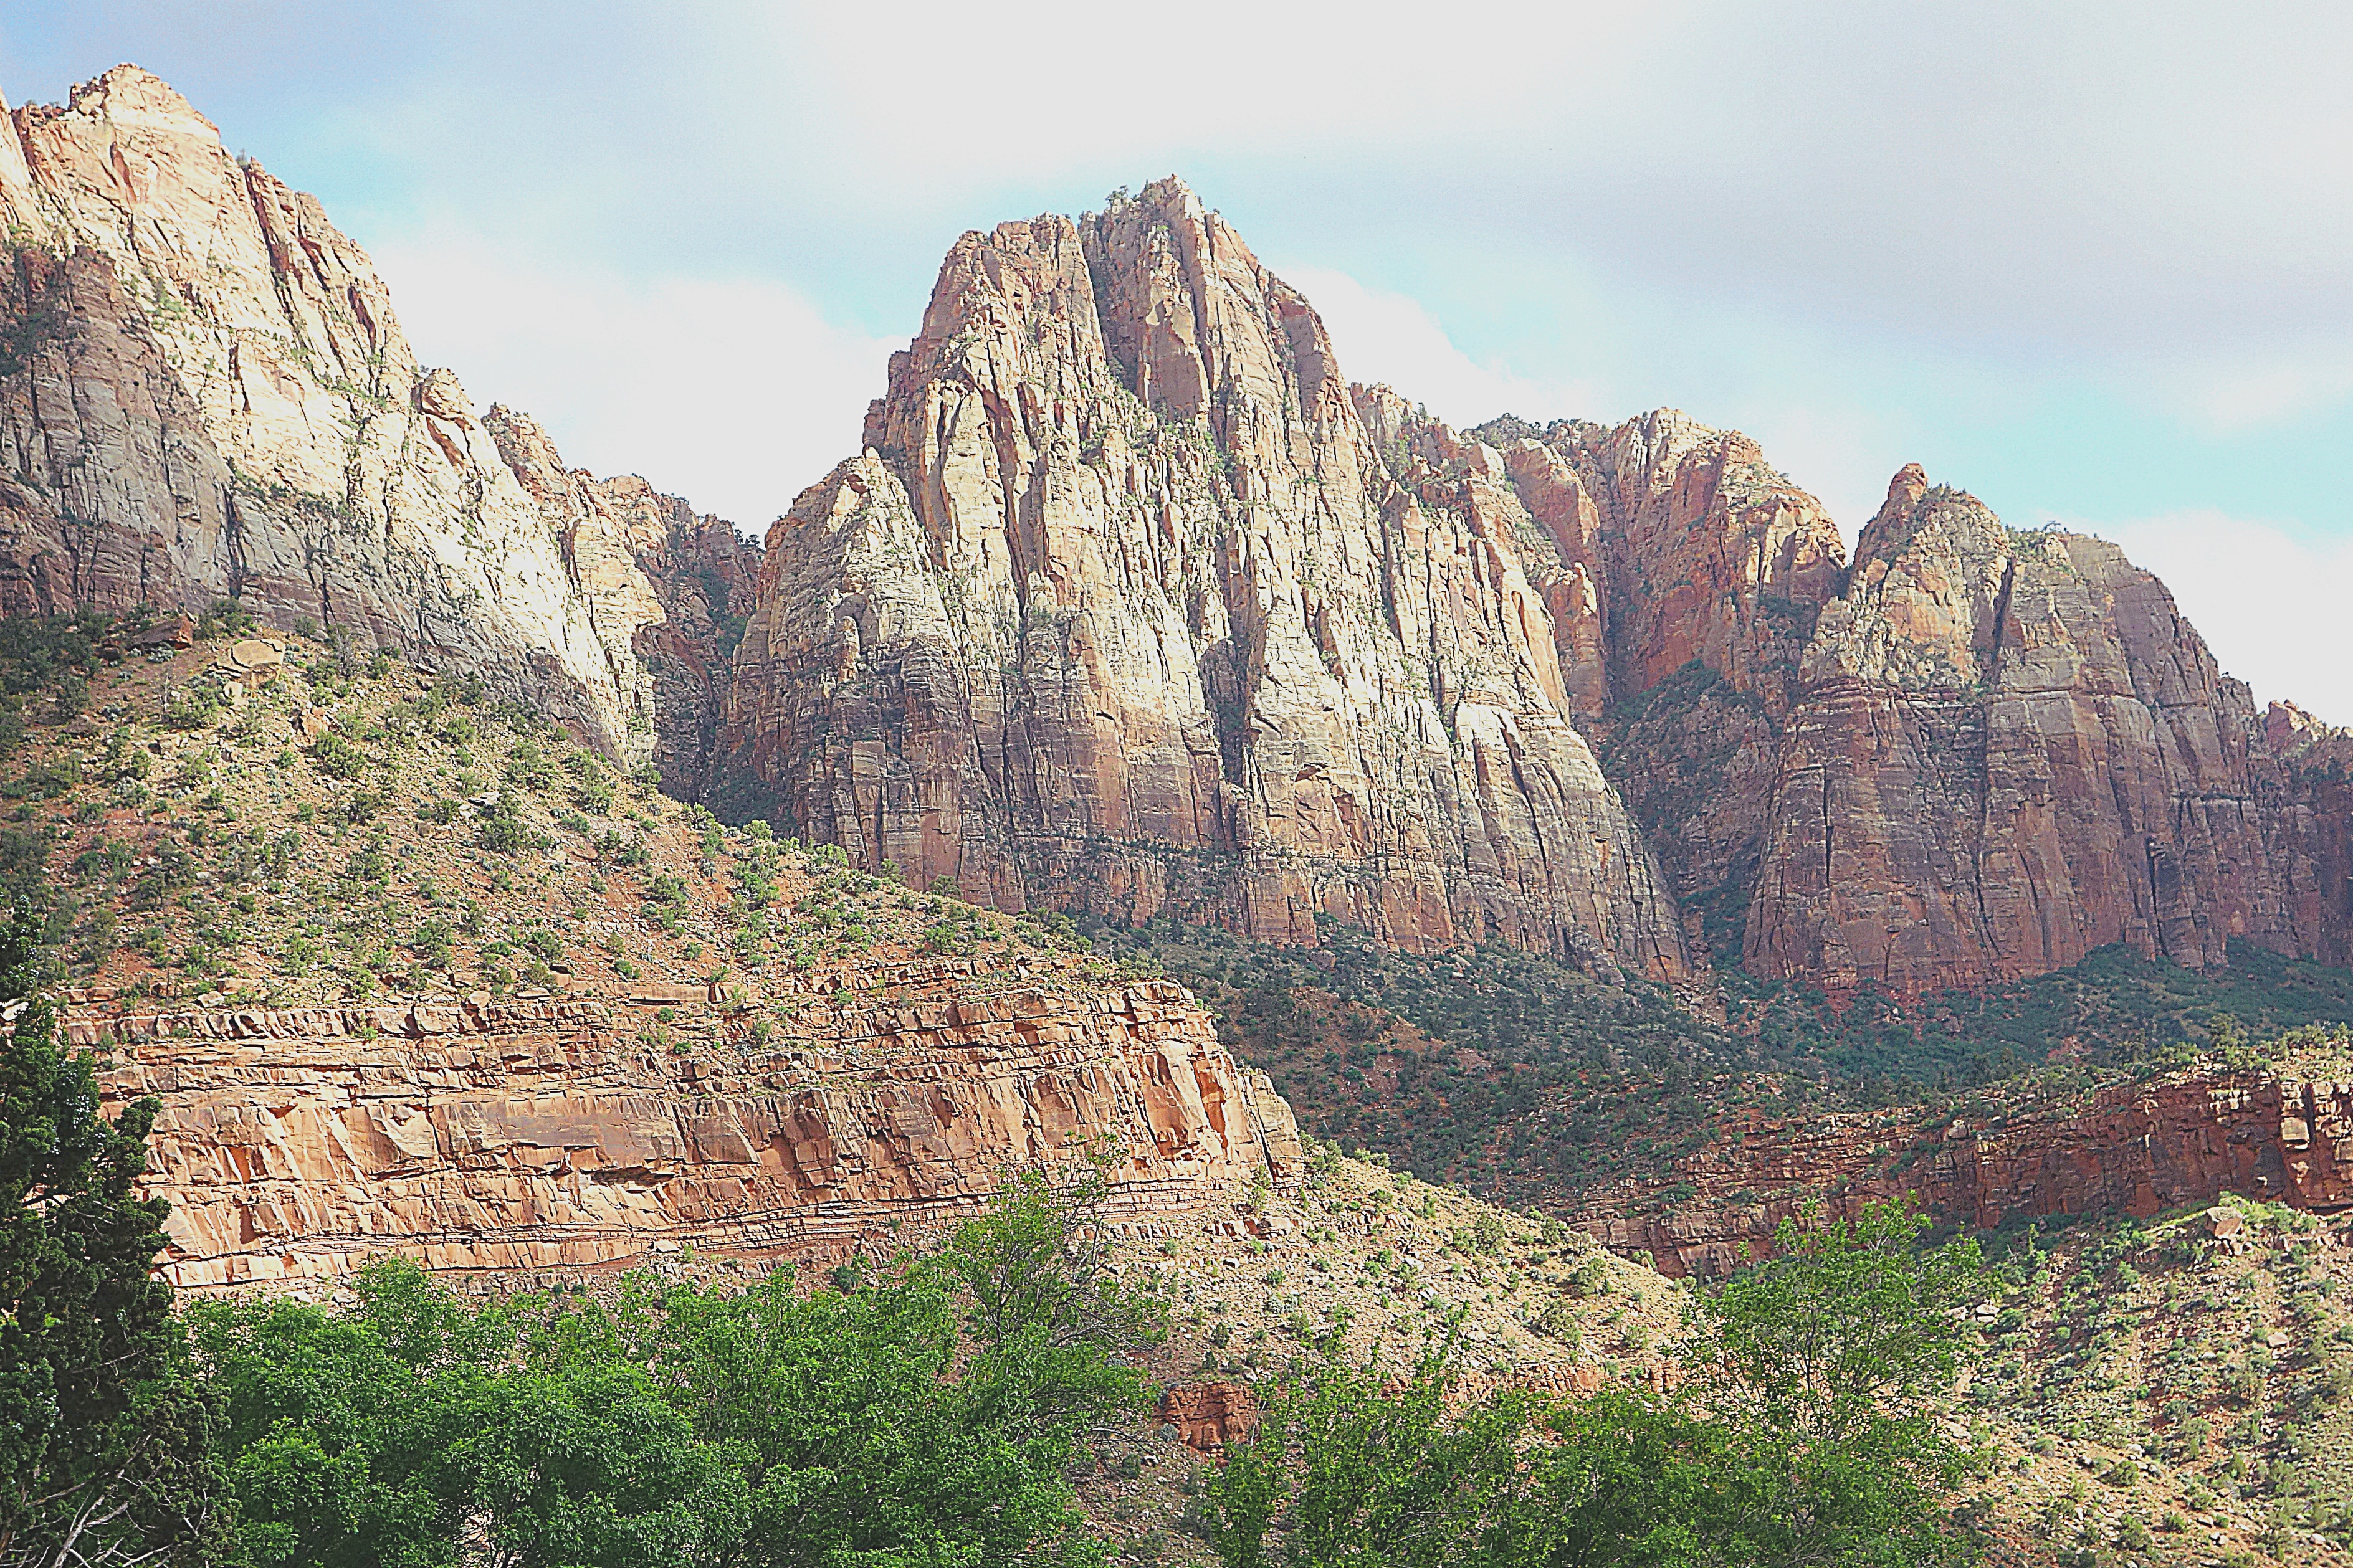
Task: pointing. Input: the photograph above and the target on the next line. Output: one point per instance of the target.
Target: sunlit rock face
(513, 1137)
(207, 394)
(1132, 603)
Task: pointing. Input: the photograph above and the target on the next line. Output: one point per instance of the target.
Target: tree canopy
(104, 1436)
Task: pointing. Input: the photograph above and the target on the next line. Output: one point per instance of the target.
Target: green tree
(105, 1441)
(1058, 1334)
(924, 1412)
(1833, 1352)
(1359, 1474)
(412, 1430)
(1815, 1445)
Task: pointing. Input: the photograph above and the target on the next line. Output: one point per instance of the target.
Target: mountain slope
(1134, 603)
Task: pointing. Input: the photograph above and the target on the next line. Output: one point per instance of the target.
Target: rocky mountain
(1133, 604)
(205, 394)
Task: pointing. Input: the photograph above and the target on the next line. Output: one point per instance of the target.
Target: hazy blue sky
(2092, 262)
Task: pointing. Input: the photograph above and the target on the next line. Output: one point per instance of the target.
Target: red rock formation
(1131, 602)
(537, 1136)
(2014, 749)
(207, 393)
(1208, 1417)
(2137, 1149)
(1130, 606)
(1709, 567)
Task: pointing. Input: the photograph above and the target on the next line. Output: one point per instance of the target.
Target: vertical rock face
(1129, 604)
(1976, 755)
(2014, 749)
(204, 392)
(1710, 569)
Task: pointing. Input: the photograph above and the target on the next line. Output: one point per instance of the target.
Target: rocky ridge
(557, 1021)
(206, 393)
(1133, 602)
(571, 1132)
(1123, 607)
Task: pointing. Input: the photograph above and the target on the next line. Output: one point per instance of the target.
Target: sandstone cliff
(2271, 1135)
(1131, 604)
(205, 393)
(2014, 749)
(533, 1135)
(1973, 755)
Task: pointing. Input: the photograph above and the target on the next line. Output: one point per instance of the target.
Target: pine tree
(105, 1453)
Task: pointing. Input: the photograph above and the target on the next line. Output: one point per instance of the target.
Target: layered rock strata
(205, 394)
(584, 1132)
(2014, 749)
(2137, 1149)
(1129, 605)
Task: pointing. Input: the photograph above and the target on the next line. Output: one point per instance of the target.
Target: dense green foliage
(922, 1412)
(1814, 1445)
(103, 1436)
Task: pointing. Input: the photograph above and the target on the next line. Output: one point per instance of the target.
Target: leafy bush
(1814, 1440)
(924, 1409)
(337, 757)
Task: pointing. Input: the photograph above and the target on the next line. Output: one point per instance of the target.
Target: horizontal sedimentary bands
(2137, 1149)
(563, 1134)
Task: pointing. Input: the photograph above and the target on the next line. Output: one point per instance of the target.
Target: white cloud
(736, 395)
(2270, 603)
(2249, 397)
(946, 94)
(1393, 338)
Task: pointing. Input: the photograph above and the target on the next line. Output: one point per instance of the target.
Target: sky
(2093, 263)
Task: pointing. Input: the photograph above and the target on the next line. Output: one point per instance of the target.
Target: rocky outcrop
(1208, 1417)
(591, 1132)
(672, 587)
(205, 394)
(1131, 604)
(1710, 569)
(1974, 756)
(2137, 1149)
(2014, 749)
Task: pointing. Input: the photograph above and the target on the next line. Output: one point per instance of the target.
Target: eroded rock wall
(2012, 749)
(2137, 1149)
(567, 1133)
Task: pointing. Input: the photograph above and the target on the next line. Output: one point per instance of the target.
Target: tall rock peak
(1126, 607)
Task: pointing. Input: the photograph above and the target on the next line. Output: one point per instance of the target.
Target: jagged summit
(215, 398)
(1133, 601)
(1123, 606)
